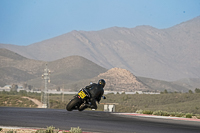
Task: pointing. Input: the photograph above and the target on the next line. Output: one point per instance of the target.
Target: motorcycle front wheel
(73, 104)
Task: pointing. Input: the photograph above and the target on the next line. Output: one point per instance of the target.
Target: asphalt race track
(92, 121)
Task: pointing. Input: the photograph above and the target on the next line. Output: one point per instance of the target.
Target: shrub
(159, 112)
(165, 113)
(50, 129)
(190, 91)
(188, 115)
(40, 131)
(0, 129)
(172, 114)
(139, 111)
(75, 130)
(11, 131)
(197, 90)
(147, 112)
(180, 114)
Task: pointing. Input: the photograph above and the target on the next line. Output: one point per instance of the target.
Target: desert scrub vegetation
(57, 104)
(15, 101)
(52, 129)
(22, 93)
(171, 114)
(75, 130)
(169, 102)
(173, 102)
(49, 129)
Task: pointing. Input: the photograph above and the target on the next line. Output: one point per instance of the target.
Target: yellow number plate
(82, 94)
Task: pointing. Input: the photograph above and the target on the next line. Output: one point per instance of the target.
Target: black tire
(72, 104)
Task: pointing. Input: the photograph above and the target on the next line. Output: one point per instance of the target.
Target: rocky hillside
(118, 79)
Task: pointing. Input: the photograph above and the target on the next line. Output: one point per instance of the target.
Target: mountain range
(168, 55)
(164, 54)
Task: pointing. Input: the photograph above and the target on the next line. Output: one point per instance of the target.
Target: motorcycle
(83, 96)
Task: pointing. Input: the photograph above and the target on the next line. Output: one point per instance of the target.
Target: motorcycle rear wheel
(72, 104)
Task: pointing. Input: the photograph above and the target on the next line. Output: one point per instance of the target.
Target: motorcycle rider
(96, 92)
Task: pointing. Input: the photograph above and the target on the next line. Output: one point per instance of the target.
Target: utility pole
(63, 93)
(44, 93)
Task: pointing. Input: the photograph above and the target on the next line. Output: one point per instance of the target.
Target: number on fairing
(82, 94)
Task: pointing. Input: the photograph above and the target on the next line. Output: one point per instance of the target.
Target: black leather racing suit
(96, 91)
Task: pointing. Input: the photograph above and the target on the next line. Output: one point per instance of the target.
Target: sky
(24, 22)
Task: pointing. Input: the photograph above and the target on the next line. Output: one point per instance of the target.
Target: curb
(161, 117)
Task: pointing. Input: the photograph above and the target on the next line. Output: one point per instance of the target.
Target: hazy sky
(23, 22)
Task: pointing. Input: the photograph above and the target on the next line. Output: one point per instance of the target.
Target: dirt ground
(18, 130)
(6, 130)
(35, 101)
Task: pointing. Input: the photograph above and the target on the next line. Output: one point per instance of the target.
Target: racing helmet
(102, 82)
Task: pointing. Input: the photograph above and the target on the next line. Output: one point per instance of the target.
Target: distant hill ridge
(11, 55)
(16, 69)
(66, 71)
